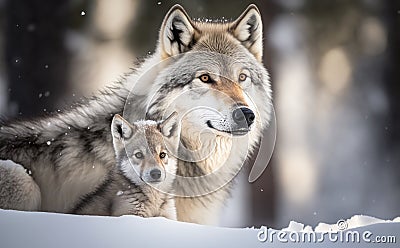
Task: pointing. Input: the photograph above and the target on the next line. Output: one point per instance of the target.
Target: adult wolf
(210, 73)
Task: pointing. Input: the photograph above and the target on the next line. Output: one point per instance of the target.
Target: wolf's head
(216, 80)
(142, 148)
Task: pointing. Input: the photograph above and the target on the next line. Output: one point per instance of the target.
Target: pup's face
(143, 149)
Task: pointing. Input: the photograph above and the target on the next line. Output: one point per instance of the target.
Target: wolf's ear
(169, 126)
(177, 32)
(121, 128)
(248, 30)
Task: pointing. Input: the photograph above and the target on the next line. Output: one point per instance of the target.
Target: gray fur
(127, 190)
(77, 163)
(17, 189)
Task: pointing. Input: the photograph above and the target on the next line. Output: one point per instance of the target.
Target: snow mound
(36, 229)
(354, 222)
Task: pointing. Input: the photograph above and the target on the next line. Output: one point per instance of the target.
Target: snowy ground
(28, 229)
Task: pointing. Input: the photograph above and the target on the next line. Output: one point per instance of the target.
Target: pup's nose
(155, 174)
(243, 114)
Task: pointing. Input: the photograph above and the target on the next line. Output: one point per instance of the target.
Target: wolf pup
(142, 179)
(210, 73)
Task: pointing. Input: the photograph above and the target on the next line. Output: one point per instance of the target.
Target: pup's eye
(205, 78)
(163, 155)
(139, 155)
(242, 77)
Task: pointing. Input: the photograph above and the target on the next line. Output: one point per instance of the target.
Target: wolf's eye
(163, 155)
(205, 78)
(242, 77)
(139, 155)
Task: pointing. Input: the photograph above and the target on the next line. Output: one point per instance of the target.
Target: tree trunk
(35, 55)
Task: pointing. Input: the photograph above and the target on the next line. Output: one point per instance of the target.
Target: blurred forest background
(335, 69)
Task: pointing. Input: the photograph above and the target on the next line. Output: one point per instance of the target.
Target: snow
(36, 229)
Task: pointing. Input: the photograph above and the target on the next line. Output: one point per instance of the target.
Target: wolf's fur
(129, 187)
(80, 153)
(17, 189)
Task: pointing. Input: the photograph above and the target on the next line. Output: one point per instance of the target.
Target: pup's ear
(169, 126)
(248, 30)
(177, 32)
(121, 128)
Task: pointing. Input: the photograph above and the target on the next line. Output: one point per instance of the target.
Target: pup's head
(217, 80)
(145, 150)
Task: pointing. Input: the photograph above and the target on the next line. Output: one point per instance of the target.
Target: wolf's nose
(243, 114)
(155, 174)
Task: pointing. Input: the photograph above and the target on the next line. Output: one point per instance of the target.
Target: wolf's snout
(241, 115)
(155, 174)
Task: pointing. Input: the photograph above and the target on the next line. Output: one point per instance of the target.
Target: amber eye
(139, 155)
(242, 77)
(205, 78)
(163, 155)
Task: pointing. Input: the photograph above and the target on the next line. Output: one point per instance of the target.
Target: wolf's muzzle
(243, 117)
(155, 174)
